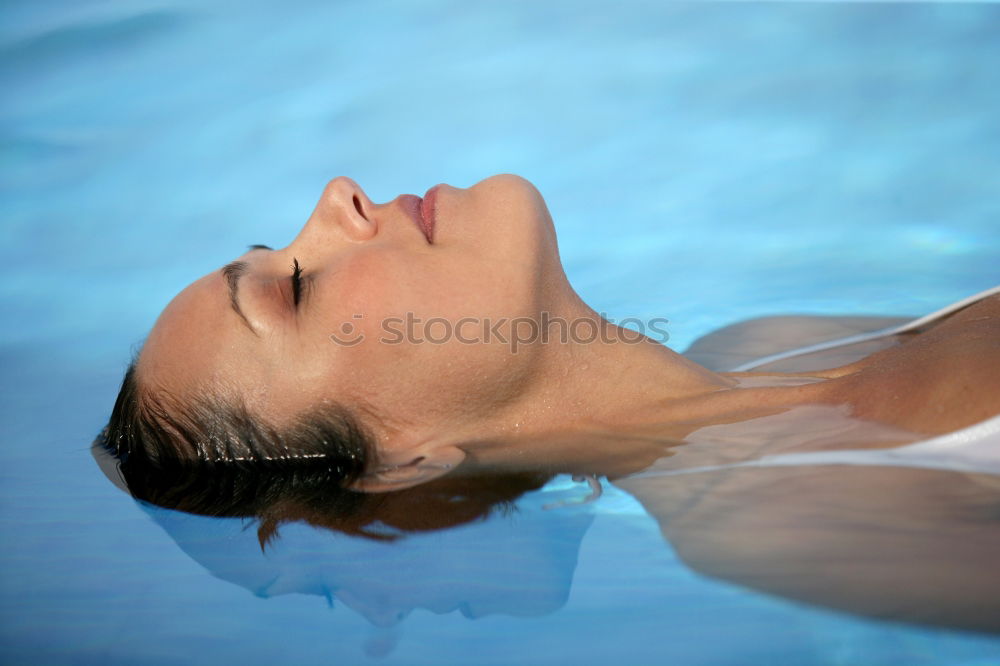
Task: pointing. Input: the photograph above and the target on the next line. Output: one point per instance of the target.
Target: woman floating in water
(437, 341)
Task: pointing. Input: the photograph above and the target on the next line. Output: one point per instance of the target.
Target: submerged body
(842, 499)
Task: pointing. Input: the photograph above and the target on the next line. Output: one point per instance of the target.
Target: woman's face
(407, 325)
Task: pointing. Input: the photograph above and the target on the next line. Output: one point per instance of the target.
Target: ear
(424, 465)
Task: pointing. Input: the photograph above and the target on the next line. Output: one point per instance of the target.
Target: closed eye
(296, 282)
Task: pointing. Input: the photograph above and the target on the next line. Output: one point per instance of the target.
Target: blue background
(704, 162)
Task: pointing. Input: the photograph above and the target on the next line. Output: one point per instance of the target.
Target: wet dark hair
(210, 458)
(207, 457)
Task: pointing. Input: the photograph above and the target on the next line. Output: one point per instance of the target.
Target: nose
(345, 206)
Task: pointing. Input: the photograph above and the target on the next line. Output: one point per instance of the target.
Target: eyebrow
(232, 273)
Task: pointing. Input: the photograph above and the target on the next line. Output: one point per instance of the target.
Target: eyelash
(296, 282)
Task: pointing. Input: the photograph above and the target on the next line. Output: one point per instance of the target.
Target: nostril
(357, 206)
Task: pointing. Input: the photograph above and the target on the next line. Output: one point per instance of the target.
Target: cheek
(437, 384)
(412, 371)
(387, 291)
(423, 340)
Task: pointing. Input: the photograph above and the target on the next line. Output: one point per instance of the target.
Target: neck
(608, 407)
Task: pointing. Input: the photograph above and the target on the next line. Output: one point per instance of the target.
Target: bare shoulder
(936, 380)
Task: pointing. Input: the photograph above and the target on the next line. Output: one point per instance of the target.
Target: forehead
(198, 343)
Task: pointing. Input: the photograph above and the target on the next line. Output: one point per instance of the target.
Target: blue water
(704, 162)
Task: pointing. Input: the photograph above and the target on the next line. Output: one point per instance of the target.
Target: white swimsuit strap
(872, 335)
(975, 450)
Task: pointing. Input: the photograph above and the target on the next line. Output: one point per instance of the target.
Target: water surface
(704, 162)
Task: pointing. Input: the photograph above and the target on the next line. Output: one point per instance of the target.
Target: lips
(423, 212)
(428, 212)
(412, 205)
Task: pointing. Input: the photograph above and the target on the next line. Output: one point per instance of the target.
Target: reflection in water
(911, 544)
(894, 543)
(906, 533)
(520, 563)
(453, 544)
